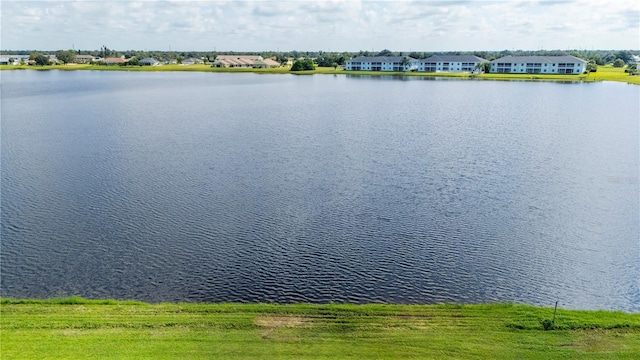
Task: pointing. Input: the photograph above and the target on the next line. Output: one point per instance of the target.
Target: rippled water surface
(281, 188)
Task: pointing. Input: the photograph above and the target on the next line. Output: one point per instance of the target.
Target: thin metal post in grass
(554, 313)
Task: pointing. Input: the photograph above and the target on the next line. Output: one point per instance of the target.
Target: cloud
(316, 25)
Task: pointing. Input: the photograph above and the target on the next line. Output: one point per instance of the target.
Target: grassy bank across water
(604, 73)
(76, 328)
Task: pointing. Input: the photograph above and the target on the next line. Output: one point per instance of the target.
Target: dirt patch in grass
(600, 341)
(282, 321)
(71, 332)
(279, 328)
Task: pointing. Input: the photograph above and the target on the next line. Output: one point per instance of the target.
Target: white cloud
(320, 25)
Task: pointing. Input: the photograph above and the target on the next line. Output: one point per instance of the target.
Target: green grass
(604, 73)
(75, 328)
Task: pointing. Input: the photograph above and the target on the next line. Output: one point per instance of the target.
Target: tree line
(333, 59)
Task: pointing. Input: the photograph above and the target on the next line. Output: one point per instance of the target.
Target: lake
(211, 187)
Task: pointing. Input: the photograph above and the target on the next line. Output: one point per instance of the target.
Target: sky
(346, 25)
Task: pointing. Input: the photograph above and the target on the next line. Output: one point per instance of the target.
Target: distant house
(84, 59)
(566, 64)
(149, 62)
(53, 60)
(191, 61)
(238, 61)
(266, 63)
(13, 59)
(382, 63)
(450, 63)
(113, 61)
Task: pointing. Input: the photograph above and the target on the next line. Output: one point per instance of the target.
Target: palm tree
(405, 62)
(484, 67)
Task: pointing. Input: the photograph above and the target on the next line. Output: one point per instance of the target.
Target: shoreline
(604, 73)
(78, 300)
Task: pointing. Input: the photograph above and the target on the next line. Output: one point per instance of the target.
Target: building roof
(384, 59)
(454, 58)
(16, 58)
(270, 62)
(114, 60)
(238, 60)
(239, 57)
(148, 61)
(192, 60)
(539, 59)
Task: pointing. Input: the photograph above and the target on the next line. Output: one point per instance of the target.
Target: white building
(84, 59)
(381, 63)
(539, 65)
(191, 61)
(15, 59)
(450, 63)
(149, 62)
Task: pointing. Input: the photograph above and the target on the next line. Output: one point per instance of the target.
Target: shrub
(548, 324)
(299, 65)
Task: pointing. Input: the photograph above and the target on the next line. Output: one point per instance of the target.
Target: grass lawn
(613, 74)
(83, 329)
(604, 73)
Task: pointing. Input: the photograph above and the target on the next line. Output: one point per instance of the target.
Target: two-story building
(566, 64)
(450, 63)
(382, 63)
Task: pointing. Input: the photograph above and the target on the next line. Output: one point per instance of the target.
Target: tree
(282, 59)
(405, 63)
(624, 55)
(105, 52)
(618, 63)
(133, 61)
(417, 55)
(300, 65)
(385, 52)
(42, 60)
(66, 56)
(334, 65)
(609, 58)
(598, 60)
(633, 69)
(591, 67)
(484, 67)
